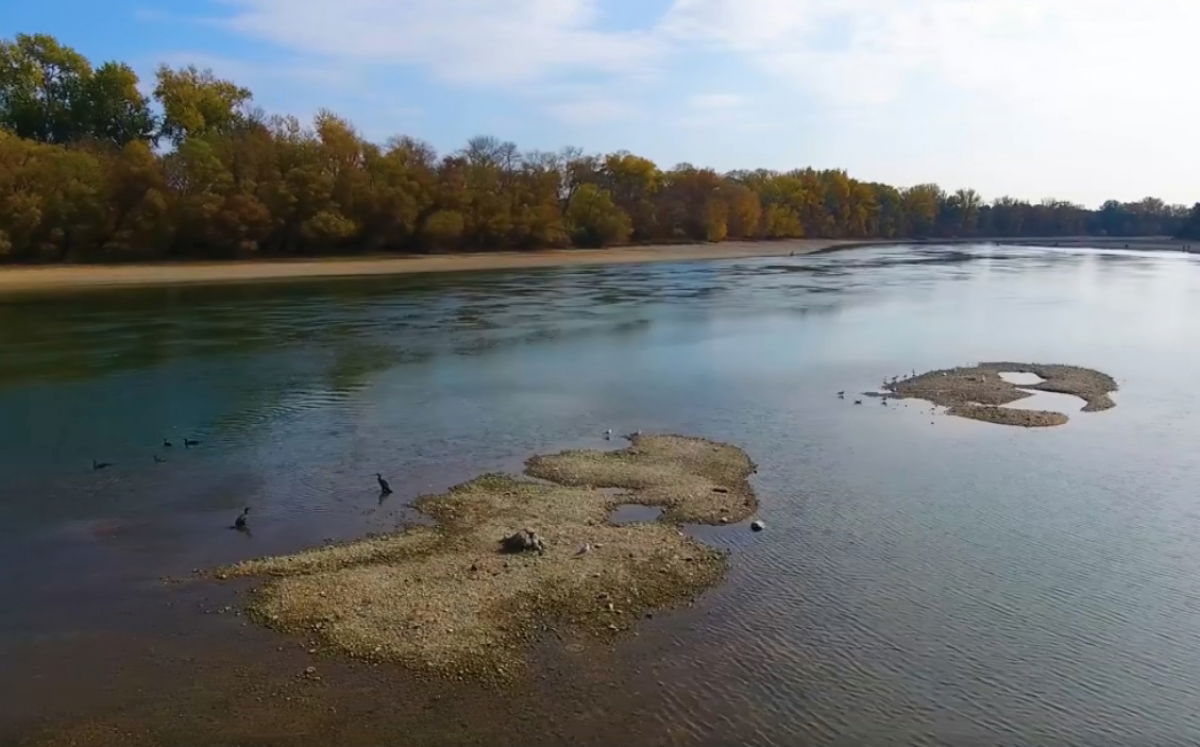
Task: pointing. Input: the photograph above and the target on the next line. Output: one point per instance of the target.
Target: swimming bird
(167, 443)
(608, 435)
(100, 465)
(189, 443)
(842, 394)
(240, 522)
(883, 401)
(158, 459)
(858, 401)
(384, 488)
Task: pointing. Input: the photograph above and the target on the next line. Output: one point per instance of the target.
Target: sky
(1084, 100)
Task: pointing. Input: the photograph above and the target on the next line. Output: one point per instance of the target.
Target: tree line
(93, 170)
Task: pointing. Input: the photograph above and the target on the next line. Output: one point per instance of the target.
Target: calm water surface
(924, 579)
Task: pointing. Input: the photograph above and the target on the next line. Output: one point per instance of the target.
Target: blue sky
(1033, 98)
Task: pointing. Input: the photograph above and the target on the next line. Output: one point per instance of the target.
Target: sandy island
(977, 392)
(450, 600)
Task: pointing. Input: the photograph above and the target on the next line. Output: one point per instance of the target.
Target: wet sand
(80, 277)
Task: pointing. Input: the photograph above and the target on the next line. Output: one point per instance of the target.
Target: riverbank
(53, 278)
(82, 277)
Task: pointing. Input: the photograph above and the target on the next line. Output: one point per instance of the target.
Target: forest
(92, 169)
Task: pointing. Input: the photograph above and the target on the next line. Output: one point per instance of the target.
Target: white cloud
(475, 41)
(1035, 51)
(1000, 94)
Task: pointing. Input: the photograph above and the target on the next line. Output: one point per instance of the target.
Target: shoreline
(73, 277)
(53, 278)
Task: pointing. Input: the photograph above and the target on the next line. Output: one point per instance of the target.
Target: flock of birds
(187, 444)
(241, 522)
(883, 397)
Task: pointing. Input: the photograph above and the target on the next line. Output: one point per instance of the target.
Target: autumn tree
(195, 102)
(89, 172)
(594, 220)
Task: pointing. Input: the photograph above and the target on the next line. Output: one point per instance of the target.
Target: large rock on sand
(523, 541)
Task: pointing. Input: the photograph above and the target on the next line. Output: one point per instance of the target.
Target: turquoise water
(923, 578)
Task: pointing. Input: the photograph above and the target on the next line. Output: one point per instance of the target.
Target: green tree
(116, 111)
(444, 229)
(43, 89)
(922, 205)
(1191, 227)
(594, 220)
(195, 102)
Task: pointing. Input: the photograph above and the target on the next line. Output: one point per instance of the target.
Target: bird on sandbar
(240, 522)
(384, 488)
(100, 465)
(842, 394)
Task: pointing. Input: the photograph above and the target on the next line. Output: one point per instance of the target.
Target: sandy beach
(79, 277)
(50, 278)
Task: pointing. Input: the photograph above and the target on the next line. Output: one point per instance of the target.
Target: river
(923, 579)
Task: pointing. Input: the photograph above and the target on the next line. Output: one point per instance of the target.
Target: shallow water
(924, 578)
(632, 513)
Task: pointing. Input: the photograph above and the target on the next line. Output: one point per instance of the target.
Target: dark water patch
(633, 513)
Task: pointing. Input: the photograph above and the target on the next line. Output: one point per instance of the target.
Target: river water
(923, 579)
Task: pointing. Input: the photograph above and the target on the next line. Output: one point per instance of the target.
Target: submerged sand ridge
(448, 600)
(977, 392)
